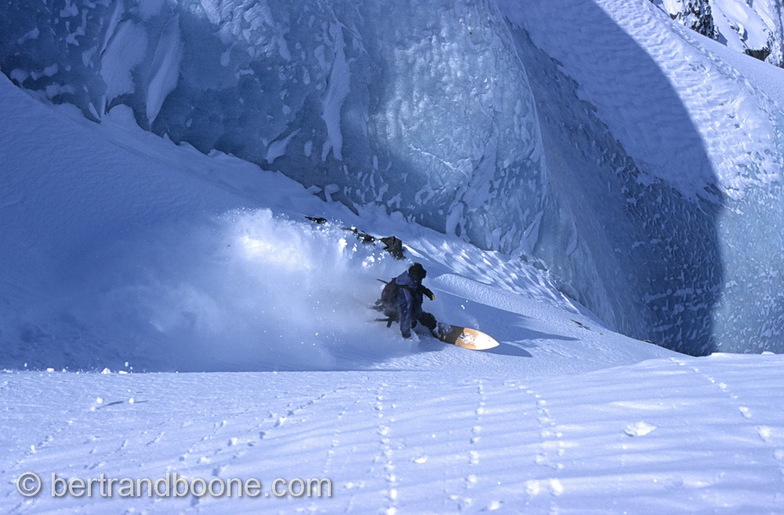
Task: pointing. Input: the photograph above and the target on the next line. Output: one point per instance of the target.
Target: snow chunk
(639, 429)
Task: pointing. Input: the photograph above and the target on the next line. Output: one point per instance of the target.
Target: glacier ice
(680, 158)
(477, 118)
(431, 115)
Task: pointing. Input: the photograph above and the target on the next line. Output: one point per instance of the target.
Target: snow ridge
(754, 28)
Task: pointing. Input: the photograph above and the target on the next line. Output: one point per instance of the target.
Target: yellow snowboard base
(468, 338)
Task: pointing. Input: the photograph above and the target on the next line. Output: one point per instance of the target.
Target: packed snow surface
(236, 337)
(669, 435)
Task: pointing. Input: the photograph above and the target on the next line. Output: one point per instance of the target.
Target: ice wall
(642, 255)
(421, 107)
(665, 167)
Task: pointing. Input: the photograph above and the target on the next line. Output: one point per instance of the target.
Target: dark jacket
(409, 301)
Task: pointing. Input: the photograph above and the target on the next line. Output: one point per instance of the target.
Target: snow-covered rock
(754, 28)
(694, 14)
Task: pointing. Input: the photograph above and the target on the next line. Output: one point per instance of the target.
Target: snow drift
(245, 291)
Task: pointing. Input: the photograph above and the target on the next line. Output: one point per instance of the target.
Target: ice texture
(572, 132)
(430, 114)
(675, 156)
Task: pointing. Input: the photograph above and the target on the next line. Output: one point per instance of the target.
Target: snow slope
(671, 435)
(237, 343)
(741, 26)
(147, 255)
(628, 154)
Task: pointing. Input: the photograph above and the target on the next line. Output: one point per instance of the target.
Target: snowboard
(467, 338)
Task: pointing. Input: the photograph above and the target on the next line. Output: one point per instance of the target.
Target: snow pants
(410, 313)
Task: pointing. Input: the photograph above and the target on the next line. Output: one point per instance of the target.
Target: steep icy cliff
(420, 107)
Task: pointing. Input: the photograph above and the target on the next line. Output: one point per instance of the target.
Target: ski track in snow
(550, 454)
(772, 436)
(385, 457)
(410, 441)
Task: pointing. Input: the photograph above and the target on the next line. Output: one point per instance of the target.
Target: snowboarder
(401, 301)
